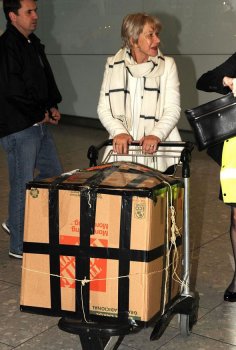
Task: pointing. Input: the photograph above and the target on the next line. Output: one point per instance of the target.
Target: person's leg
(47, 162)
(21, 149)
(230, 293)
(232, 286)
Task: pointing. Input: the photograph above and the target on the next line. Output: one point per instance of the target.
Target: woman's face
(147, 45)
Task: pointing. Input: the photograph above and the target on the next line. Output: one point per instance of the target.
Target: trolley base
(184, 305)
(106, 336)
(96, 336)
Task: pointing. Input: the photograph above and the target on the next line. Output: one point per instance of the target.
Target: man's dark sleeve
(54, 96)
(16, 92)
(212, 81)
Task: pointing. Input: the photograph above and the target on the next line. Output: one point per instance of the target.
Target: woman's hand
(121, 143)
(149, 143)
(231, 83)
(227, 81)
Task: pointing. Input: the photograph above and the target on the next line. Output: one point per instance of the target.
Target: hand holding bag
(213, 122)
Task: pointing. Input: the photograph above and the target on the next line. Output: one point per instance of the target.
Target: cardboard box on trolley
(96, 243)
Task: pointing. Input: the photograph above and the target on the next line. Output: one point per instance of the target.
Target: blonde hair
(132, 26)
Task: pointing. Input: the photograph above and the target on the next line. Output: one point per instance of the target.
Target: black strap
(99, 176)
(54, 249)
(88, 201)
(124, 259)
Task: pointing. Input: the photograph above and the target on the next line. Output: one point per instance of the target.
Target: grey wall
(80, 34)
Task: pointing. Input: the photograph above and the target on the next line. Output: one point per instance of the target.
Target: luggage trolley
(107, 335)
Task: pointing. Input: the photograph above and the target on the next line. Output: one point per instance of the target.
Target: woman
(221, 79)
(139, 98)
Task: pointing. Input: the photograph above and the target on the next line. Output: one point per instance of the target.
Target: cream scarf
(117, 88)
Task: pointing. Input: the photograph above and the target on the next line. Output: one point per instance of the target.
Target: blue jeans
(29, 150)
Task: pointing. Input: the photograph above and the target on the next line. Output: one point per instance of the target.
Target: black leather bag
(213, 122)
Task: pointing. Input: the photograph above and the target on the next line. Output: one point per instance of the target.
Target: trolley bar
(93, 151)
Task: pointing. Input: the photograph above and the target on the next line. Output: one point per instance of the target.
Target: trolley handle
(185, 158)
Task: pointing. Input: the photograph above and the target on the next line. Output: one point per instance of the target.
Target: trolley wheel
(188, 321)
(184, 325)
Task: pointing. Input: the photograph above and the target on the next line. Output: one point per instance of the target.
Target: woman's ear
(131, 41)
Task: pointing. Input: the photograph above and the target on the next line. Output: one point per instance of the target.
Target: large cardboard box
(97, 243)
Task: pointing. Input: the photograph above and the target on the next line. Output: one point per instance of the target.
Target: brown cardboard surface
(106, 223)
(36, 280)
(36, 215)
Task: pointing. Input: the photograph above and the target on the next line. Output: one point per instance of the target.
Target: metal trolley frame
(108, 336)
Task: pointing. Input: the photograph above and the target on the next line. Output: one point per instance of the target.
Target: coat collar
(32, 37)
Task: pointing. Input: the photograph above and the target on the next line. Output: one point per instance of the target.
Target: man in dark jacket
(28, 103)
